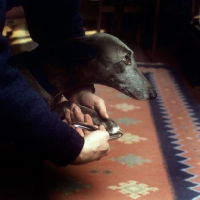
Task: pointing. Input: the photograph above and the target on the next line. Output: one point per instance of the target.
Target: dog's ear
(76, 51)
(83, 52)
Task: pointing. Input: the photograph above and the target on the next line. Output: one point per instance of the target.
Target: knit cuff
(69, 152)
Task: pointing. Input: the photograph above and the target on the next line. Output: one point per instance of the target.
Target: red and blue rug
(157, 158)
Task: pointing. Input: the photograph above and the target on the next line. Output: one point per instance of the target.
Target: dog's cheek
(117, 70)
(120, 68)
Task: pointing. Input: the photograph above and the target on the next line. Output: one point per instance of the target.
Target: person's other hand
(95, 147)
(85, 97)
(75, 114)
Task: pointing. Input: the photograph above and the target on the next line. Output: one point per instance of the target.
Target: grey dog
(97, 59)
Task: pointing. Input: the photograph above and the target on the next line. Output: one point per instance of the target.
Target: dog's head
(112, 64)
(104, 59)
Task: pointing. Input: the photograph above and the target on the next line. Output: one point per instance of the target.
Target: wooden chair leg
(100, 15)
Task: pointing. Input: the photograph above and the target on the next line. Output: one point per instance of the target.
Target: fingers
(76, 114)
(68, 116)
(91, 100)
(72, 115)
(88, 120)
(95, 147)
(102, 128)
(101, 107)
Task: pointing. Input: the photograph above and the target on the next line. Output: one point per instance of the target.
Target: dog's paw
(110, 125)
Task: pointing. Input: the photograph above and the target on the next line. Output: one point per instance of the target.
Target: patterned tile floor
(128, 172)
(145, 163)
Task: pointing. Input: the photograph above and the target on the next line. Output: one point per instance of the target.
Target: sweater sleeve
(26, 120)
(51, 21)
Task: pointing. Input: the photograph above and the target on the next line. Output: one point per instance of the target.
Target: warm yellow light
(6, 30)
(91, 32)
(22, 35)
(20, 32)
(21, 41)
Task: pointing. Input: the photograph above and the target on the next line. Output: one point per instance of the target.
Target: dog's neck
(41, 77)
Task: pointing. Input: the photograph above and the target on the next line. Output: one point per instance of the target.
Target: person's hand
(75, 114)
(96, 143)
(85, 97)
(95, 147)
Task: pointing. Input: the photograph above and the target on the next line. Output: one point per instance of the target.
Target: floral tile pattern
(128, 138)
(130, 160)
(156, 159)
(71, 185)
(125, 107)
(133, 189)
(95, 171)
(121, 96)
(127, 121)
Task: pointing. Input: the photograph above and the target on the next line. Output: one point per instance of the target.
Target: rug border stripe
(182, 186)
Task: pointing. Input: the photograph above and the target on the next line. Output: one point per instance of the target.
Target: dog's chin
(138, 95)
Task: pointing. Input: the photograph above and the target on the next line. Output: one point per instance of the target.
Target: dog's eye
(127, 60)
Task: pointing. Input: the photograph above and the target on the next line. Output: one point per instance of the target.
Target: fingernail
(74, 108)
(77, 108)
(107, 116)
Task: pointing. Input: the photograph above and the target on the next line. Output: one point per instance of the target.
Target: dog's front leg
(60, 108)
(109, 124)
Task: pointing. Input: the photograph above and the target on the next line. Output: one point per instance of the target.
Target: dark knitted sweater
(25, 119)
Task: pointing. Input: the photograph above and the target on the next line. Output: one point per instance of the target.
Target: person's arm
(26, 121)
(50, 22)
(25, 118)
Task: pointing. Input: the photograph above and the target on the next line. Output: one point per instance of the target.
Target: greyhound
(97, 59)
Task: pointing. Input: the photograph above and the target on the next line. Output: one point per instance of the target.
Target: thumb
(101, 109)
(102, 128)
